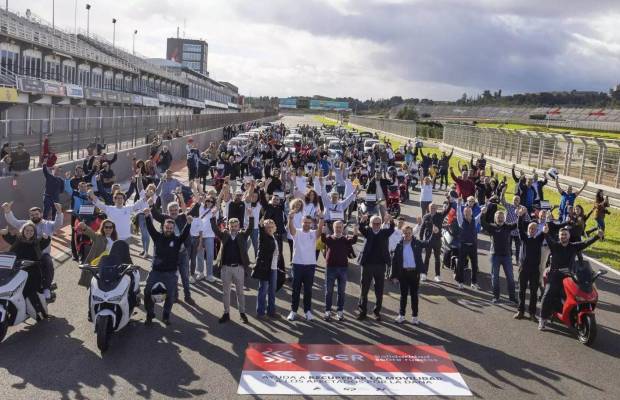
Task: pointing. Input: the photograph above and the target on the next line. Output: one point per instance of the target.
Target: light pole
(135, 32)
(53, 15)
(87, 20)
(114, 32)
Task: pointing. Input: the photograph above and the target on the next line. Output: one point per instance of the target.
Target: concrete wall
(28, 191)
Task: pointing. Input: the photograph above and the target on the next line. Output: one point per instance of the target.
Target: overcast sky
(436, 49)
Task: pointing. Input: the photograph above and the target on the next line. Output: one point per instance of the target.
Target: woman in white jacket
(426, 194)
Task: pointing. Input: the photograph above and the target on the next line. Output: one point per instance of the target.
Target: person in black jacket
(407, 267)
(500, 252)
(274, 210)
(374, 259)
(180, 221)
(563, 254)
(430, 220)
(165, 263)
(529, 275)
(269, 269)
(27, 246)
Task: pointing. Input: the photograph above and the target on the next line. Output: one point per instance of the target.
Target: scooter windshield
(583, 275)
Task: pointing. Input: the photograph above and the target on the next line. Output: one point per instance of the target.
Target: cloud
(376, 48)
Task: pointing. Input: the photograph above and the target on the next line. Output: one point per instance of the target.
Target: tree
(407, 113)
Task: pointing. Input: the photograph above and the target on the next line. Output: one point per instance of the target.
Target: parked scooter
(114, 291)
(579, 299)
(15, 308)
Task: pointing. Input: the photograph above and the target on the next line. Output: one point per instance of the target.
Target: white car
(368, 145)
(335, 148)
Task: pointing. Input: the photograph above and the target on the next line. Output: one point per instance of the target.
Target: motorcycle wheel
(586, 333)
(4, 327)
(104, 332)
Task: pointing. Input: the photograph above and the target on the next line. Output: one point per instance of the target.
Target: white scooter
(14, 307)
(114, 291)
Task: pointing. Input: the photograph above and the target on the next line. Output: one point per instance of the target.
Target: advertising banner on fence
(351, 370)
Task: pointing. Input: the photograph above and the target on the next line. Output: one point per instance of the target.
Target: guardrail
(69, 137)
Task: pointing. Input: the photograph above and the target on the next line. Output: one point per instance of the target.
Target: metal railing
(68, 137)
(591, 159)
(396, 126)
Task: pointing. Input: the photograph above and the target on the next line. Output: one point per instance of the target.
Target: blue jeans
(183, 265)
(267, 291)
(334, 274)
(600, 223)
(254, 239)
(302, 275)
(506, 263)
(144, 233)
(208, 247)
(169, 279)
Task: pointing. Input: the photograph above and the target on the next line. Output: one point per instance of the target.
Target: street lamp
(135, 32)
(87, 20)
(114, 32)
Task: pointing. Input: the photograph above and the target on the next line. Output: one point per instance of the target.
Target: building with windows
(54, 76)
(191, 53)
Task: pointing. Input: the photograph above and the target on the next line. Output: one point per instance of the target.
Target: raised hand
(7, 207)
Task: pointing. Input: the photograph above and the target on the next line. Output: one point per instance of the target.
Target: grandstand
(563, 117)
(65, 84)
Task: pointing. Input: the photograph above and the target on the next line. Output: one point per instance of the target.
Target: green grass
(538, 128)
(607, 251)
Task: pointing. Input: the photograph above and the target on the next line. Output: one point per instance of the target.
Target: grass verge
(538, 128)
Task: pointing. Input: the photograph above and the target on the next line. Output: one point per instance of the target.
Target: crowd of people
(262, 194)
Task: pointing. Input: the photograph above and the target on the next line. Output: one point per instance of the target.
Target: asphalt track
(499, 357)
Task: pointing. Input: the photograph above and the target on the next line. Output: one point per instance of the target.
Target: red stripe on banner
(346, 358)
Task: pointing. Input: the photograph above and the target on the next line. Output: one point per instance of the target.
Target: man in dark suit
(233, 261)
(374, 259)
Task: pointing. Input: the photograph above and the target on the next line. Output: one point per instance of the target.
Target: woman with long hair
(27, 246)
(296, 206)
(601, 205)
(102, 240)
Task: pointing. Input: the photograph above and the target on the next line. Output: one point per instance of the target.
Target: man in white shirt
(304, 262)
(119, 213)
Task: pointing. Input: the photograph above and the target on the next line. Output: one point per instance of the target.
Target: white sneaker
(460, 286)
(199, 277)
(340, 315)
(292, 316)
(210, 279)
(423, 277)
(328, 315)
(542, 324)
(437, 279)
(475, 286)
(309, 316)
(415, 321)
(400, 319)
(47, 294)
(192, 279)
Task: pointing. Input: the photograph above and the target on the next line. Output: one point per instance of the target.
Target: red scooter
(579, 300)
(392, 202)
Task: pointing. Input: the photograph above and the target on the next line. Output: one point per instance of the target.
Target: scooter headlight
(7, 295)
(98, 299)
(115, 298)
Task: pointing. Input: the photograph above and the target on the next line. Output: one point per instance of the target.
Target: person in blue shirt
(567, 197)
(325, 165)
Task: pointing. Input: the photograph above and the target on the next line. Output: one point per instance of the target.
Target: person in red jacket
(47, 156)
(465, 186)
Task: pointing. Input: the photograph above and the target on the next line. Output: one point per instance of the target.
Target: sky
(437, 49)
